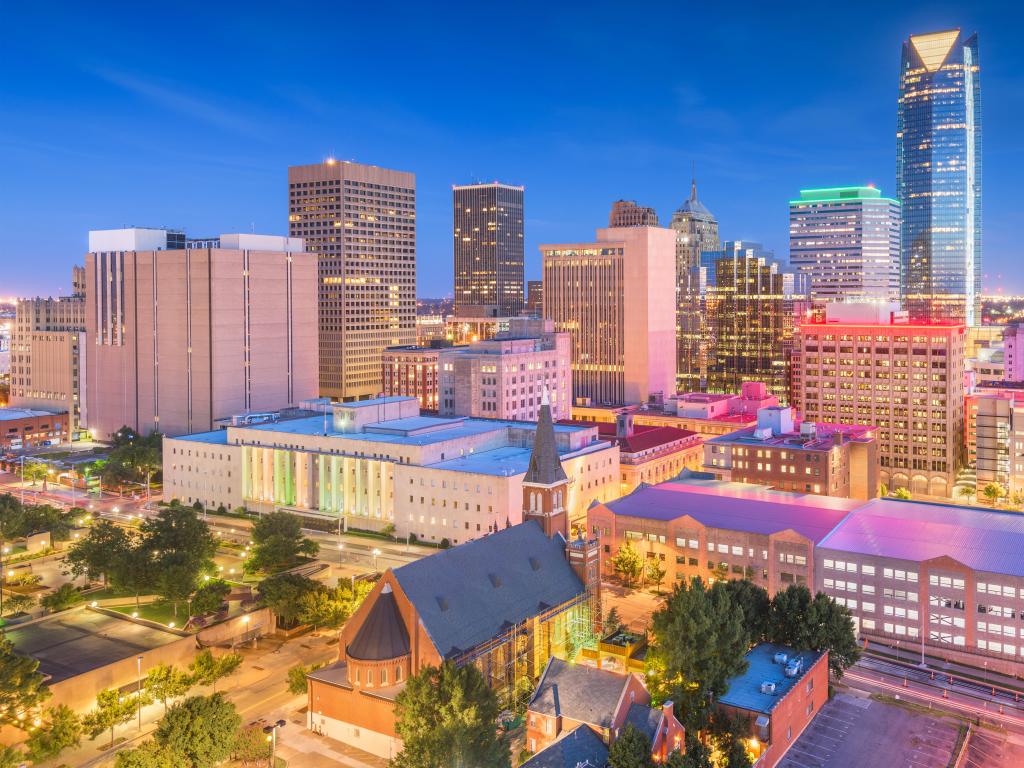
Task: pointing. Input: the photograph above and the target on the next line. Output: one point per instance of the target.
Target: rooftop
(745, 689)
(12, 414)
(582, 693)
(841, 195)
(724, 506)
(580, 748)
(983, 539)
(823, 437)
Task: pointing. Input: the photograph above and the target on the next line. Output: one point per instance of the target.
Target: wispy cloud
(171, 99)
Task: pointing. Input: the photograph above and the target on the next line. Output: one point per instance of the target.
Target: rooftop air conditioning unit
(781, 658)
(768, 688)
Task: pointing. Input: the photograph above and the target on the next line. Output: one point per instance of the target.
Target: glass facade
(488, 249)
(938, 176)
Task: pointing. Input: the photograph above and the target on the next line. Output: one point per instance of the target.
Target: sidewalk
(911, 655)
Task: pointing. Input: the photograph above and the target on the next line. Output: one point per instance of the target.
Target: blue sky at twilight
(187, 115)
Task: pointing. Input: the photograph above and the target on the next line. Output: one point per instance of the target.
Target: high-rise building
(488, 246)
(612, 297)
(360, 222)
(868, 364)
(938, 176)
(180, 334)
(744, 314)
(626, 213)
(535, 297)
(696, 232)
(46, 359)
(845, 241)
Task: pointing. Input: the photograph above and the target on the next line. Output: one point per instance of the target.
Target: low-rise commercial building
(411, 371)
(372, 463)
(788, 455)
(24, 428)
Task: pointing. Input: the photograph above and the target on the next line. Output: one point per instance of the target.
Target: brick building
(23, 428)
(411, 371)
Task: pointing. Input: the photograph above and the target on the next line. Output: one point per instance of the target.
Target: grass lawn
(106, 593)
(161, 613)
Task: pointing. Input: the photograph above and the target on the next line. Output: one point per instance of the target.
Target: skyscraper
(846, 242)
(612, 297)
(696, 232)
(360, 221)
(626, 213)
(938, 176)
(488, 245)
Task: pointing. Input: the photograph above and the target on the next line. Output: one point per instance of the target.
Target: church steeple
(545, 485)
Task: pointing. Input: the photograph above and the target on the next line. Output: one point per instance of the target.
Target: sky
(187, 115)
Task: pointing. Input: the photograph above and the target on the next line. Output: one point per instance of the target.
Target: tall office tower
(179, 334)
(696, 232)
(869, 364)
(535, 297)
(744, 311)
(845, 241)
(488, 240)
(626, 213)
(611, 297)
(46, 347)
(360, 222)
(938, 176)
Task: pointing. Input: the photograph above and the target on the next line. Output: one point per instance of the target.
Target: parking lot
(853, 731)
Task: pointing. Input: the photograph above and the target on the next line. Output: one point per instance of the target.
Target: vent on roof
(535, 563)
(768, 687)
(495, 580)
(442, 602)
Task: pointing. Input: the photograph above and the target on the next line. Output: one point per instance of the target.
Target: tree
(966, 492)
(18, 604)
(628, 563)
(63, 729)
(111, 710)
(22, 685)
(632, 749)
(1017, 500)
(612, 622)
(164, 682)
(251, 745)
(993, 492)
(149, 754)
(655, 573)
(35, 471)
(282, 593)
(201, 729)
(736, 755)
(278, 543)
(819, 624)
(177, 536)
(297, 683)
(98, 553)
(446, 718)
(147, 461)
(901, 493)
(11, 757)
(62, 598)
(353, 593)
(209, 598)
(175, 582)
(699, 645)
(321, 608)
(207, 669)
(753, 601)
(697, 755)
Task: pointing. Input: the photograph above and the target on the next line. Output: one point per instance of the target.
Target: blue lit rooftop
(745, 690)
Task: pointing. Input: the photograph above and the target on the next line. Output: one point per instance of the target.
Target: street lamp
(376, 554)
(271, 731)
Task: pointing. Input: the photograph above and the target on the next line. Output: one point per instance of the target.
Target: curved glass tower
(938, 177)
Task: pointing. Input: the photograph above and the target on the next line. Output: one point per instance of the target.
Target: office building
(845, 242)
(46, 354)
(1013, 352)
(506, 377)
(179, 335)
(868, 364)
(615, 298)
(696, 231)
(360, 223)
(374, 463)
(488, 247)
(411, 371)
(626, 213)
(938, 176)
(535, 297)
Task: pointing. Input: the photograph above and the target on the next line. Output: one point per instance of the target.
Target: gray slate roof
(644, 719)
(383, 634)
(545, 465)
(474, 592)
(580, 748)
(583, 693)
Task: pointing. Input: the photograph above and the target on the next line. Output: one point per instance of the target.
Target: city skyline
(108, 120)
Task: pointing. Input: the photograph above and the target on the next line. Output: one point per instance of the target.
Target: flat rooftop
(724, 506)
(745, 690)
(980, 538)
(823, 440)
(75, 642)
(12, 414)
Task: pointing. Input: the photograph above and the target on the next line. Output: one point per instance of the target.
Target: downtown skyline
(759, 126)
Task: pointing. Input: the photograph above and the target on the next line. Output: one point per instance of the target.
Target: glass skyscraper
(938, 176)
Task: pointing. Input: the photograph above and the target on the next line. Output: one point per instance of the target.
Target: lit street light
(271, 731)
(376, 554)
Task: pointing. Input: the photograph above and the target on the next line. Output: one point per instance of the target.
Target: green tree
(251, 745)
(612, 622)
(207, 669)
(133, 568)
(201, 729)
(18, 604)
(754, 602)
(901, 493)
(62, 729)
(446, 718)
(11, 757)
(697, 755)
(35, 471)
(282, 594)
(105, 547)
(993, 492)
(111, 710)
(297, 683)
(62, 598)
(147, 461)
(699, 645)
(632, 749)
(352, 593)
(966, 492)
(736, 755)
(210, 597)
(22, 685)
(321, 608)
(149, 754)
(654, 572)
(164, 682)
(43, 517)
(819, 624)
(278, 543)
(628, 563)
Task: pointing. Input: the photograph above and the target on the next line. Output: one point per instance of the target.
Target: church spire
(545, 465)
